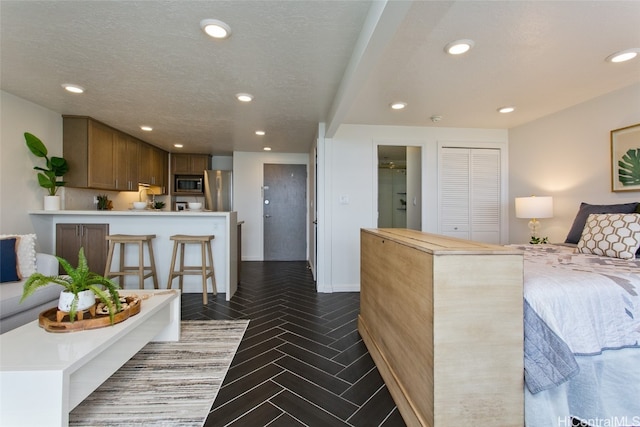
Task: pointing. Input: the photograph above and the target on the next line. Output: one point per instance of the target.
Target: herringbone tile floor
(301, 360)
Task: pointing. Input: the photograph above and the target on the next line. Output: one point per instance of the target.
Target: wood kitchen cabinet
(92, 237)
(145, 162)
(442, 319)
(160, 168)
(189, 164)
(105, 158)
(126, 162)
(153, 166)
(88, 147)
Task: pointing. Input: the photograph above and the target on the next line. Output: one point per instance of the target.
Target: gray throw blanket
(548, 361)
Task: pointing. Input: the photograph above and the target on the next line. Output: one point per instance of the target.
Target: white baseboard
(341, 288)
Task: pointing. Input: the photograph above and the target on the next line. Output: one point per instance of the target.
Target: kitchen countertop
(163, 224)
(130, 212)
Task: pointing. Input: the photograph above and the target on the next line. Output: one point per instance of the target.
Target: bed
(582, 327)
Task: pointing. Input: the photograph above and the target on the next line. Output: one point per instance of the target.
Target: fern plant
(78, 280)
(629, 167)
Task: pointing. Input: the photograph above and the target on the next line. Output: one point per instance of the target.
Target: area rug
(166, 384)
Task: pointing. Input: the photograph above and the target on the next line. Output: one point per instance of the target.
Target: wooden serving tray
(48, 318)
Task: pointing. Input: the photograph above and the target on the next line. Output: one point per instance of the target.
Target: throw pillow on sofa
(8, 260)
(25, 251)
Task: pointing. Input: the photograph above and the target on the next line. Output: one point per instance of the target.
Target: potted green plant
(79, 284)
(55, 167)
(103, 202)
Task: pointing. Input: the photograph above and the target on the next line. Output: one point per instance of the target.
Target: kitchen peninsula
(163, 224)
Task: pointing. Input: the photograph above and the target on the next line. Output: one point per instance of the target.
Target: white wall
(224, 163)
(350, 193)
(247, 195)
(19, 189)
(567, 155)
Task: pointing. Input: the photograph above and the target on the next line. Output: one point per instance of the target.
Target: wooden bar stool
(203, 269)
(139, 270)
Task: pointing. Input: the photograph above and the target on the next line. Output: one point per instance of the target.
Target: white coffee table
(44, 375)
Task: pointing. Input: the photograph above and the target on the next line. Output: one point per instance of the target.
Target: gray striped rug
(166, 384)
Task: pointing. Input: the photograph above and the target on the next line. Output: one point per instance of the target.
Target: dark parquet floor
(301, 361)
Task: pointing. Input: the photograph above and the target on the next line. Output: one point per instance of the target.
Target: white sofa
(14, 313)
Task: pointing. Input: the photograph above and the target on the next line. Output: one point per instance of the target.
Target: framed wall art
(625, 159)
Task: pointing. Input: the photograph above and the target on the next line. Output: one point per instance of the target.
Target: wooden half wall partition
(443, 321)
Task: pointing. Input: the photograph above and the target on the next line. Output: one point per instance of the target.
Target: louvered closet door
(470, 193)
(454, 192)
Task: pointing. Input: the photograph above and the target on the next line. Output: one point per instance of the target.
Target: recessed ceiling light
(215, 28)
(267, 148)
(146, 128)
(244, 97)
(73, 88)
(178, 145)
(260, 132)
(398, 105)
(622, 56)
(459, 47)
(505, 110)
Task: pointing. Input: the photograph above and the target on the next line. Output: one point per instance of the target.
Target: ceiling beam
(381, 24)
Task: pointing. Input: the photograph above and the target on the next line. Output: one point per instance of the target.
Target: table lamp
(533, 208)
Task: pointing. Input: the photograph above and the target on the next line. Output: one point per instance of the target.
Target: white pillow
(611, 235)
(26, 253)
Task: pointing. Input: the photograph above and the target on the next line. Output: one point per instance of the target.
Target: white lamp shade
(534, 207)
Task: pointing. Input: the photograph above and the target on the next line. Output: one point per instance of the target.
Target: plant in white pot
(55, 167)
(80, 285)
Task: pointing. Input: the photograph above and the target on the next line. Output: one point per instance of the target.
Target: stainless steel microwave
(188, 184)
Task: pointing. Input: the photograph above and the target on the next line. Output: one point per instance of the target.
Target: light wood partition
(442, 319)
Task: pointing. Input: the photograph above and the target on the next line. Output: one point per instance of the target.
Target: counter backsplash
(83, 199)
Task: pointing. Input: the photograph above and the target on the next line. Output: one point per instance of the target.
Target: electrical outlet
(95, 200)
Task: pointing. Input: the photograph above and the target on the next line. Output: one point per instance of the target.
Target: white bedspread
(592, 303)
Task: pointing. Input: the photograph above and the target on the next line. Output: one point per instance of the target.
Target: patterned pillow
(611, 235)
(26, 253)
(586, 209)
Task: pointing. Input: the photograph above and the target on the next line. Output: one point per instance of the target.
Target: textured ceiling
(148, 62)
(540, 56)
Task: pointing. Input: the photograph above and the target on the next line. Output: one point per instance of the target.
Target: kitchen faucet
(147, 191)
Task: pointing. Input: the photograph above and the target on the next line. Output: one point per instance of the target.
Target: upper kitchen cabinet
(126, 164)
(88, 146)
(153, 166)
(105, 158)
(161, 168)
(189, 164)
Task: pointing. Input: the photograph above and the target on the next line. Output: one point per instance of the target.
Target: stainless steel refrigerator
(218, 190)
